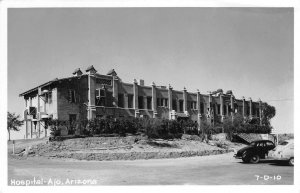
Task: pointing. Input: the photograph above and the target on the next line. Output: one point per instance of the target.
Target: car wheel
(254, 159)
(291, 161)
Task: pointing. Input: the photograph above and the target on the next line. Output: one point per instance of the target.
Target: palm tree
(13, 123)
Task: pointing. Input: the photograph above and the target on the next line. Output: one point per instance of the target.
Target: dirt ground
(120, 148)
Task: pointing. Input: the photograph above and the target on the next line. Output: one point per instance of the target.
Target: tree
(13, 123)
(268, 113)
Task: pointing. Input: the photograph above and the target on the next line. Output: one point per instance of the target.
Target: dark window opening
(72, 97)
(166, 102)
(141, 102)
(121, 100)
(130, 101)
(247, 110)
(201, 108)
(174, 105)
(49, 97)
(100, 97)
(149, 102)
(158, 102)
(219, 109)
(181, 105)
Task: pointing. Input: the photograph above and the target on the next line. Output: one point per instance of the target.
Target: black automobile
(255, 151)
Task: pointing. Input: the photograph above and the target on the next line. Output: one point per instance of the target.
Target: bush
(158, 128)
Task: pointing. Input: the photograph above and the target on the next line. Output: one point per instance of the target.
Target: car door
(260, 149)
(268, 147)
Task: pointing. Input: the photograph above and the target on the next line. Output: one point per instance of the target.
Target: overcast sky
(247, 50)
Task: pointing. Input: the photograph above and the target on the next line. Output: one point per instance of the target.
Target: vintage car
(284, 151)
(256, 151)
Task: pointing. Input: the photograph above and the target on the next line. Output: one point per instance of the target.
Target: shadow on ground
(272, 162)
(161, 144)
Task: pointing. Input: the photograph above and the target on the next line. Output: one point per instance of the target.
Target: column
(222, 106)
(135, 98)
(170, 101)
(250, 108)
(30, 105)
(184, 100)
(199, 110)
(154, 100)
(244, 108)
(232, 107)
(209, 107)
(38, 113)
(25, 120)
(91, 97)
(260, 112)
(115, 91)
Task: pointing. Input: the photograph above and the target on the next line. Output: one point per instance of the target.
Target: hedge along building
(93, 95)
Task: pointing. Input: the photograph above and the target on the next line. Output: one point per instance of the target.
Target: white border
(144, 3)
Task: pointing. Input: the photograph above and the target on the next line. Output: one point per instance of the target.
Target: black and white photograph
(147, 96)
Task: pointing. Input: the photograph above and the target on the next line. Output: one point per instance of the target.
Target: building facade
(93, 95)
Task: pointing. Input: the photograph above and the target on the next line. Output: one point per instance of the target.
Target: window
(219, 109)
(121, 100)
(130, 101)
(103, 81)
(72, 97)
(149, 102)
(158, 102)
(229, 108)
(162, 102)
(193, 105)
(224, 110)
(166, 102)
(100, 93)
(174, 105)
(32, 111)
(181, 105)
(201, 108)
(268, 143)
(141, 102)
(49, 97)
(100, 97)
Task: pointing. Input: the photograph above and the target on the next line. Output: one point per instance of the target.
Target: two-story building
(92, 95)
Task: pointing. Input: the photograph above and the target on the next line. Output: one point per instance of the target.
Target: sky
(246, 50)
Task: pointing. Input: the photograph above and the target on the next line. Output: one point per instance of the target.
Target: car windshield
(252, 143)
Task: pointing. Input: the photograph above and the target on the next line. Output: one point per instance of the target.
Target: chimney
(77, 72)
(142, 82)
(91, 70)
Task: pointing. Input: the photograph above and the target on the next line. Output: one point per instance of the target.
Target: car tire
(291, 161)
(254, 159)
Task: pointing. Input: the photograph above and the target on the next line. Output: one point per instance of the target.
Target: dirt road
(207, 170)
